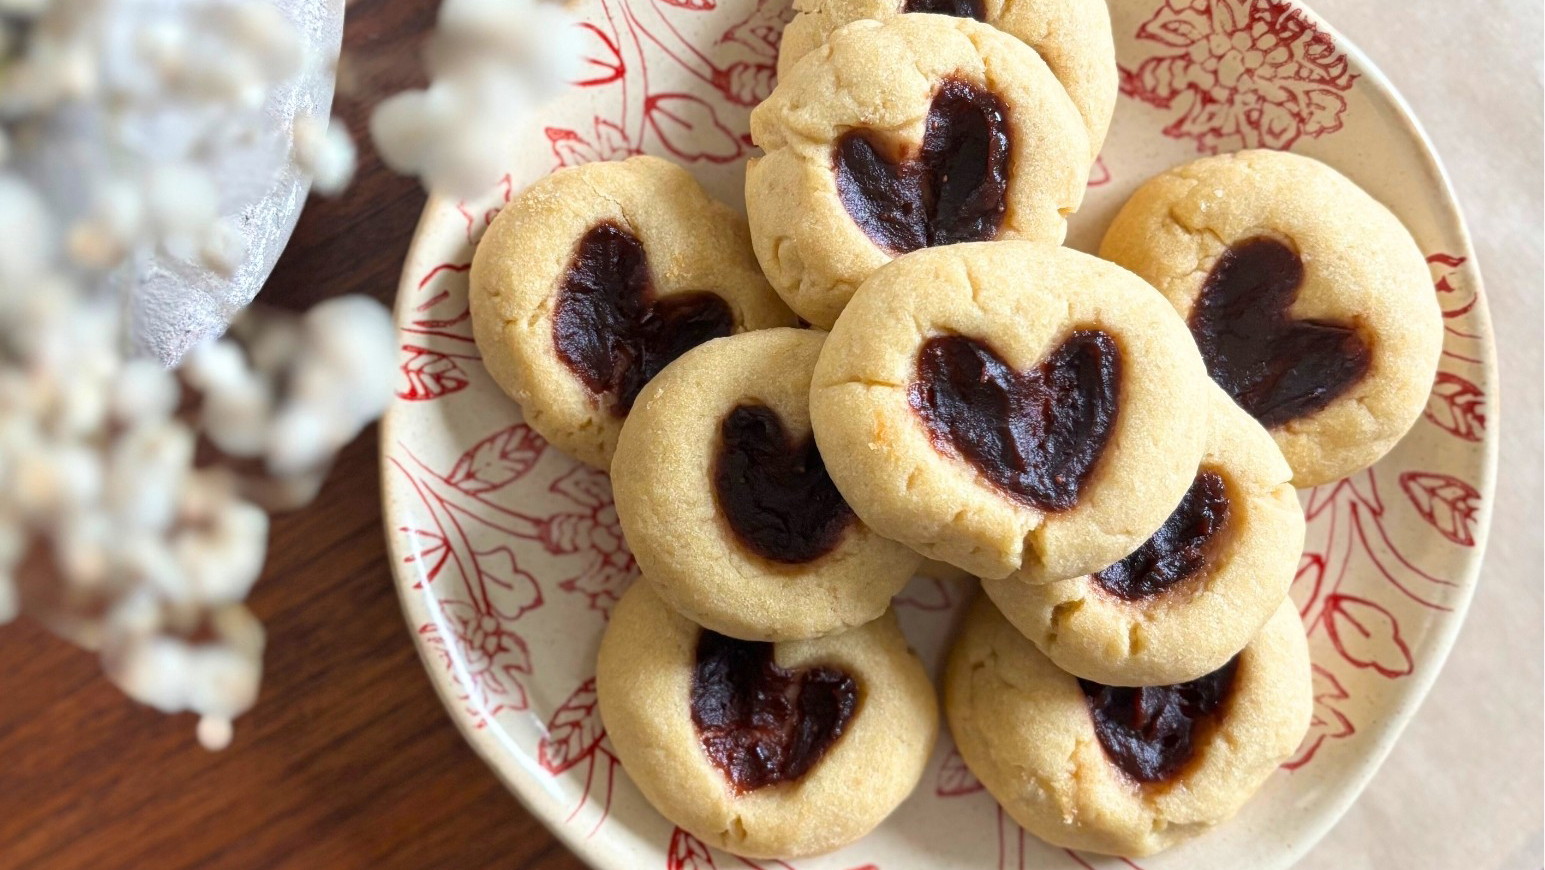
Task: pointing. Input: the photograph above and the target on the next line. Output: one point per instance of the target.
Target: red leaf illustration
(687, 853)
(609, 142)
(762, 28)
(603, 61)
(955, 779)
(1457, 406)
(1447, 502)
(694, 5)
(444, 307)
(1367, 635)
(429, 374)
(690, 128)
(1328, 722)
(426, 548)
(1099, 174)
(1308, 580)
(746, 84)
(585, 486)
(1456, 294)
(574, 731)
(514, 590)
(497, 460)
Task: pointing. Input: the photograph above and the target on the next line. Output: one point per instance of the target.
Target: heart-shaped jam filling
(952, 190)
(609, 328)
(956, 8)
(1151, 732)
(759, 723)
(774, 492)
(1179, 549)
(1035, 435)
(1277, 368)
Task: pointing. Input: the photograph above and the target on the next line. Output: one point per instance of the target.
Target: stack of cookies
(1112, 445)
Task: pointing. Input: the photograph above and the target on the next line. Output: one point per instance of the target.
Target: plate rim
(1441, 640)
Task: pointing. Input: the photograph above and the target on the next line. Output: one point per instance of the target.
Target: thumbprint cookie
(1010, 408)
(1311, 303)
(767, 750)
(597, 276)
(918, 132)
(1123, 771)
(727, 504)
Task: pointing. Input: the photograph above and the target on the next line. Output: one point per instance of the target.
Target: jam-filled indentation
(953, 189)
(611, 330)
(1178, 550)
(1275, 367)
(762, 724)
(1151, 733)
(1036, 435)
(775, 492)
(956, 8)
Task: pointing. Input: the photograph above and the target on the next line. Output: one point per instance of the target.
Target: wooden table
(348, 759)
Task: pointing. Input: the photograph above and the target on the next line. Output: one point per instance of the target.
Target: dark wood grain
(348, 760)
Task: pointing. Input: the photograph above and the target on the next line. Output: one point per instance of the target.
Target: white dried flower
(221, 541)
(144, 392)
(181, 201)
(224, 247)
(324, 150)
(26, 233)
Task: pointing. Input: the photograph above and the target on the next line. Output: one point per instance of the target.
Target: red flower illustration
(1328, 722)
(1457, 406)
(1242, 73)
(1446, 502)
(596, 533)
(495, 658)
(762, 28)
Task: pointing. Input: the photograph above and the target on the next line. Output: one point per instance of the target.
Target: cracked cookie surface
(595, 277)
(1312, 303)
(1008, 408)
(767, 750)
(1123, 771)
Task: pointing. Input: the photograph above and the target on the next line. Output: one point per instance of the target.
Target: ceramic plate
(508, 556)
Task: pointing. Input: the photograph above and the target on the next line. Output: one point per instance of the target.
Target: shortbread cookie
(1072, 36)
(1010, 408)
(917, 132)
(727, 506)
(765, 750)
(595, 278)
(1123, 771)
(1191, 596)
(1312, 304)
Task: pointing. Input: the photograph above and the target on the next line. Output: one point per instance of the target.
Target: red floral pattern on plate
(488, 526)
(1240, 74)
